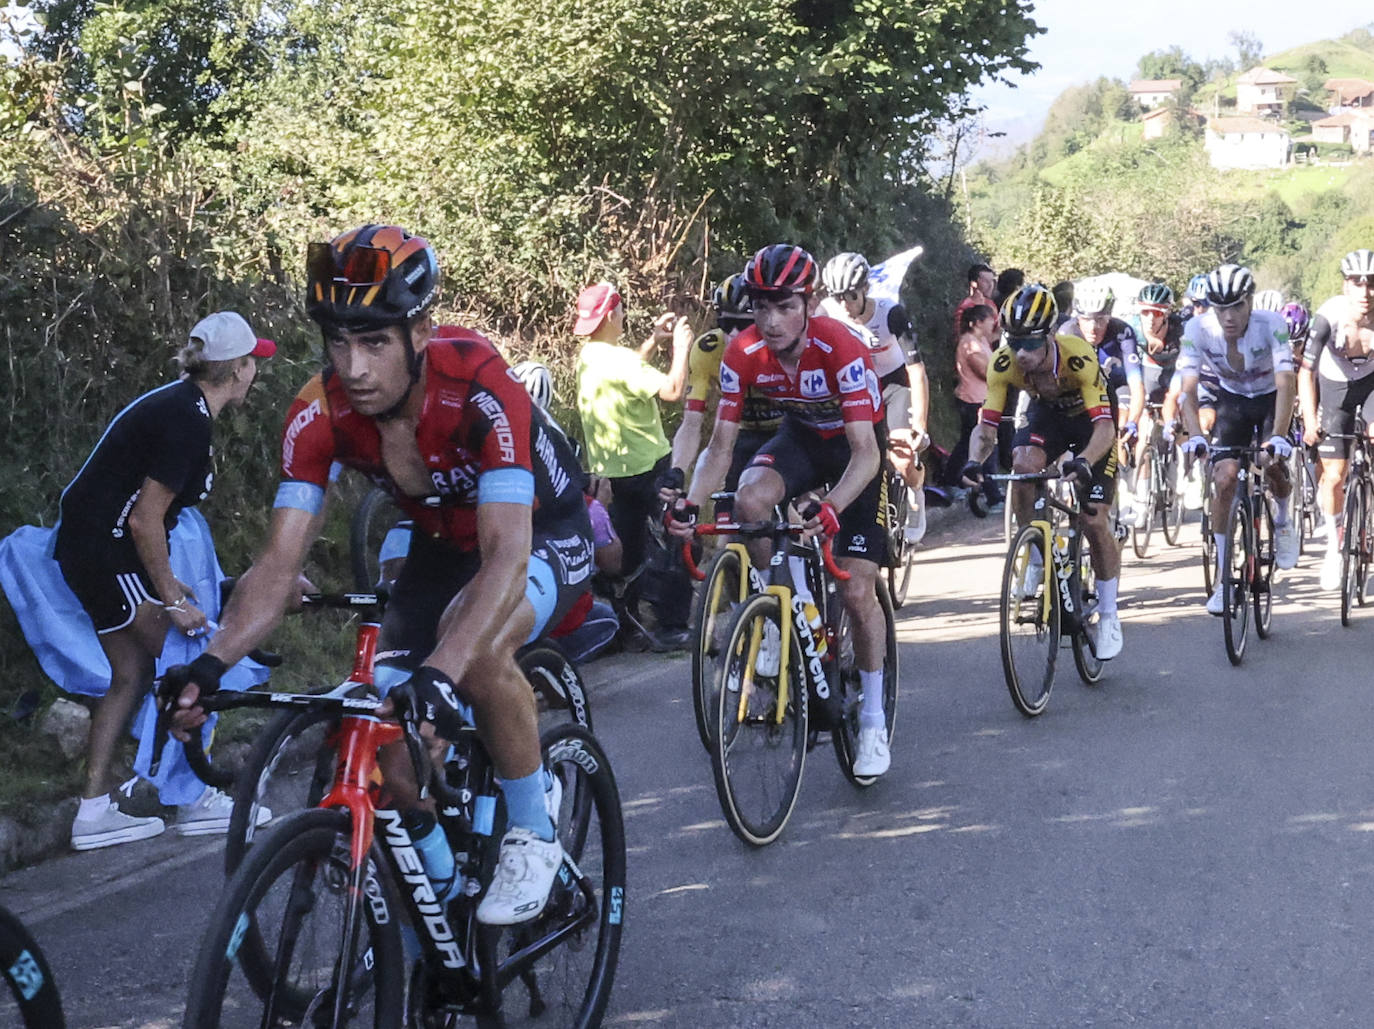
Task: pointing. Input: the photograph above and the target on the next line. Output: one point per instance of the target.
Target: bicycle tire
(290, 768)
(900, 577)
(374, 517)
(1235, 585)
(1030, 685)
(743, 742)
(845, 735)
(900, 553)
(1366, 546)
(1209, 549)
(1262, 585)
(571, 984)
(1089, 665)
(1352, 519)
(1140, 537)
(1171, 509)
(712, 607)
(559, 689)
(28, 978)
(308, 851)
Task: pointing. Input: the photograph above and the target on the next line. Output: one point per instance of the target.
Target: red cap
(593, 304)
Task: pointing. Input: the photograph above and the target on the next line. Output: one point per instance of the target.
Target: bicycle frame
(1064, 556)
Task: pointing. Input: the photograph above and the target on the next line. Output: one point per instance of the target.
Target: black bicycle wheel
(1353, 521)
(715, 603)
(32, 1000)
(900, 553)
(1209, 548)
(845, 736)
(1088, 664)
(559, 691)
(375, 516)
(1170, 459)
(760, 746)
(1235, 583)
(1140, 537)
(1029, 626)
(1262, 570)
(1366, 544)
(277, 938)
(570, 984)
(290, 768)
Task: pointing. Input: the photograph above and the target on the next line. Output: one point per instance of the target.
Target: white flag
(885, 280)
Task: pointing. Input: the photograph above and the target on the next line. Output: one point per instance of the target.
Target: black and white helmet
(1269, 300)
(1358, 262)
(844, 272)
(537, 380)
(1229, 285)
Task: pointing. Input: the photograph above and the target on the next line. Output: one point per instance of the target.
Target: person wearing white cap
(154, 459)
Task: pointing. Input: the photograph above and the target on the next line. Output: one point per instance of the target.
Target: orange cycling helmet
(370, 277)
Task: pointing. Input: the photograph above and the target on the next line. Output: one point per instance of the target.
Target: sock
(871, 710)
(91, 807)
(1106, 596)
(525, 803)
(1220, 537)
(1281, 511)
(1329, 520)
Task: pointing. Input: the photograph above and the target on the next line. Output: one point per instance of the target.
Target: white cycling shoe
(1216, 603)
(1286, 546)
(1031, 579)
(1331, 569)
(873, 756)
(1106, 637)
(524, 876)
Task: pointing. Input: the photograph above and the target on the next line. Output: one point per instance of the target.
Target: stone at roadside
(70, 724)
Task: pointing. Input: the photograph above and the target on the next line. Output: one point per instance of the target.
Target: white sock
(93, 806)
(1329, 520)
(1220, 537)
(871, 710)
(1106, 596)
(1280, 511)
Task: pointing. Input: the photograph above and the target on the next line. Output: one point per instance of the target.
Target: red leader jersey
(479, 435)
(835, 381)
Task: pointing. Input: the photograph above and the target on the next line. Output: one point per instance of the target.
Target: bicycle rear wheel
(846, 734)
(31, 1000)
(715, 602)
(278, 938)
(1140, 537)
(375, 516)
(559, 692)
(289, 769)
(1029, 626)
(1262, 567)
(1353, 520)
(1235, 586)
(760, 745)
(1088, 664)
(1209, 549)
(1171, 495)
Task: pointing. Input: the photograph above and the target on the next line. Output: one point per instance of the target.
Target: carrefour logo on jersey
(729, 379)
(813, 383)
(852, 377)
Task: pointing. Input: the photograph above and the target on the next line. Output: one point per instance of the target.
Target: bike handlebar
(754, 529)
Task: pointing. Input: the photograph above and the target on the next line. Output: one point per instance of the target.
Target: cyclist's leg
(1032, 445)
(780, 469)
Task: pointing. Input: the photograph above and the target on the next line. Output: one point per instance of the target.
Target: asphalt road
(1187, 844)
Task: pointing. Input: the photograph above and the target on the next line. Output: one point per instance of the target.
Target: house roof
(1349, 88)
(1231, 126)
(1155, 85)
(1158, 112)
(1265, 77)
(1344, 118)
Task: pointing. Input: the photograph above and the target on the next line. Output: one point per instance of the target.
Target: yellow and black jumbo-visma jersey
(1078, 383)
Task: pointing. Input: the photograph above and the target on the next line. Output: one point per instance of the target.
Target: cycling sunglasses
(1025, 343)
(361, 266)
(1363, 281)
(849, 294)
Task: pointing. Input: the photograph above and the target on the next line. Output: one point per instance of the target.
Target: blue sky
(1088, 38)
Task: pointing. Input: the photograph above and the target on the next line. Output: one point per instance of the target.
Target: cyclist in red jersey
(501, 546)
(819, 374)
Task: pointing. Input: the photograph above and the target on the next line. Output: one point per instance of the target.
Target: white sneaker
(873, 757)
(524, 876)
(1140, 515)
(770, 651)
(1286, 546)
(915, 516)
(1216, 603)
(1106, 637)
(1331, 569)
(113, 826)
(1031, 579)
(1192, 490)
(209, 815)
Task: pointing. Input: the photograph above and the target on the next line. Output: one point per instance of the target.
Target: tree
(1249, 49)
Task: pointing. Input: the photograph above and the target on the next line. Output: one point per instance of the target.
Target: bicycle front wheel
(1029, 622)
(280, 951)
(1171, 485)
(846, 734)
(1089, 665)
(32, 1000)
(1140, 537)
(1262, 577)
(760, 746)
(713, 608)
(1237, 563)
(1356, 500)
(375, 516)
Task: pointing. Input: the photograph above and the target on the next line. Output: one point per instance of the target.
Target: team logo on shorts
(813, 383)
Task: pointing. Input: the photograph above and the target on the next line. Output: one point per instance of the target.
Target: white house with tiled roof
(1246, 143)
(1353, 127)
(1150, 93)
(1349, 93)
(1264, 91)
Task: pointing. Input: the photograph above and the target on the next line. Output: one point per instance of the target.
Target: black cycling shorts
(1240, 418)
(110, 582)
(806, 461)
(1054, 433)
(561, 567)
(1339, 402)
(747, 444)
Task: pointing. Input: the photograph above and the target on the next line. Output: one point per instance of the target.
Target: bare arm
(148, 526)
(676, 383)
(920, 397)
(1188, 406)
(714, 461)
(687, 440)
(1287, 385)
(1102, 440)
(1307, 398)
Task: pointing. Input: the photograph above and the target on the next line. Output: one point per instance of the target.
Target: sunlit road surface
(1187, 844)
